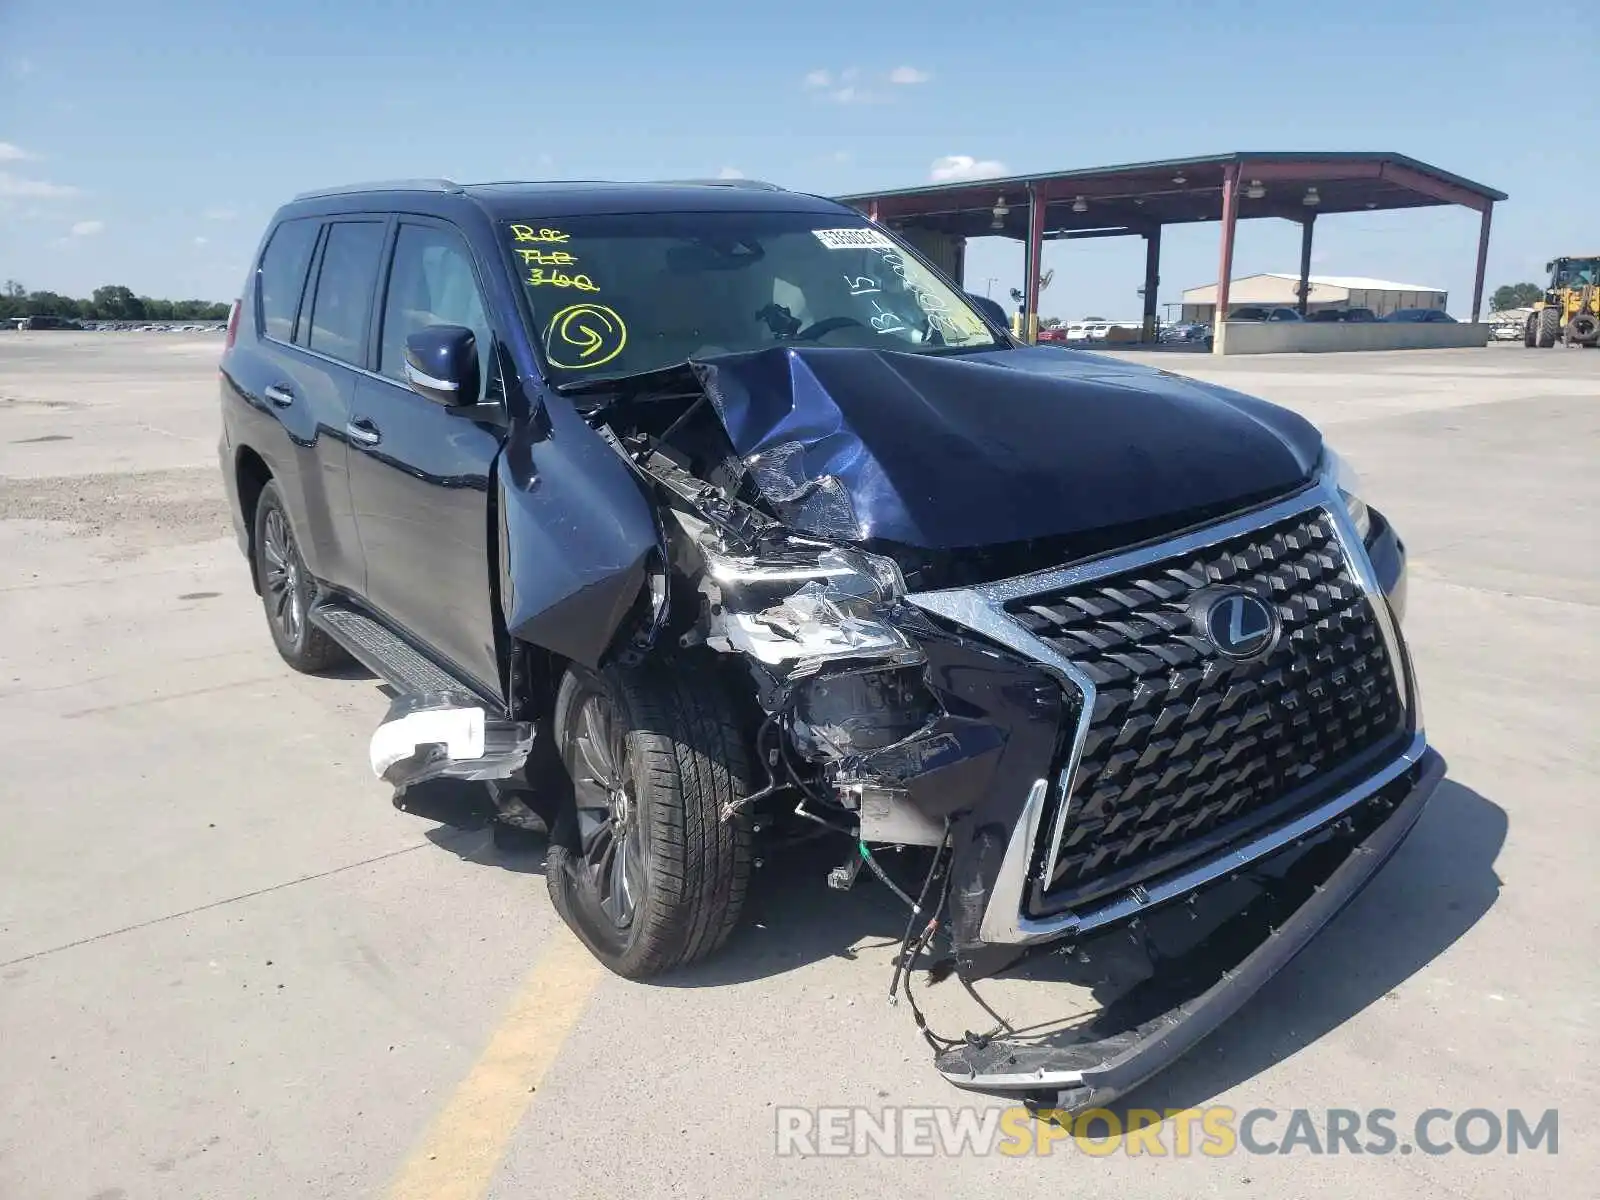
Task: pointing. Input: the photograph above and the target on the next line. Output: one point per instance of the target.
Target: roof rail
(760, 185)
(386, 185)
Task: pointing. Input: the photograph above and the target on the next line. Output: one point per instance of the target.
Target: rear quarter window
(282, 277)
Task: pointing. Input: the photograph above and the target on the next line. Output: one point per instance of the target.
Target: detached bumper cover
(1092, 1072)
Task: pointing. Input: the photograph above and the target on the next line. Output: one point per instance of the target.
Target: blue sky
(146, 143)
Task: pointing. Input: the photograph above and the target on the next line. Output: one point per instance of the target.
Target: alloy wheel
(284, 577)
(610, 823)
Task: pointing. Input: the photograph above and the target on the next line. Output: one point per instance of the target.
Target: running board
(385, 653)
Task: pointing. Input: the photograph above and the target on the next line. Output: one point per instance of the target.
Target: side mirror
(991, 309)
(442, 364)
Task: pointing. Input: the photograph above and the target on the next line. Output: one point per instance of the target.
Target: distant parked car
(1263, 312)
(1435, 316)
(1350, 315)
(1191, 333)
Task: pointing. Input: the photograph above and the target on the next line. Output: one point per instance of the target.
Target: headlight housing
(805, 604)
(1343, 476)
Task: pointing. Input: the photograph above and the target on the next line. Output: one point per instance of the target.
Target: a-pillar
(1230, 221)
(1483, 259)
(1152, 280)
(1306, 224)
(1034, 264)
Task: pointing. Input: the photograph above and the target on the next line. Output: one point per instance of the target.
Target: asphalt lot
(229, 968)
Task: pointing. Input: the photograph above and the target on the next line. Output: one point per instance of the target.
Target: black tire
(288, 590)
(1549, 327)
(1530, 331)
(675, 755)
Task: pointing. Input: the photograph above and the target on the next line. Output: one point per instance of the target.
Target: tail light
(233, 326)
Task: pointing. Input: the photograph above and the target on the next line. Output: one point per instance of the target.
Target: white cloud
(851, 95)
(11, 152)
(730, 173)
(200, 241)
(909, 75)
(36, 189)
(22, 68)
(88, 228)
(219, 214)
(845, 87)
(954, 167)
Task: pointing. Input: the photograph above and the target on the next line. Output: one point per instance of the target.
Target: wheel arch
(251, 475)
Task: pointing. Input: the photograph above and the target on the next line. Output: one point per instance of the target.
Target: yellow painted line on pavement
(457, 1157)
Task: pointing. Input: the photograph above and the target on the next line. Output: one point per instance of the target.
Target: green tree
(49, 304)
(115, 302)
(1515, 295)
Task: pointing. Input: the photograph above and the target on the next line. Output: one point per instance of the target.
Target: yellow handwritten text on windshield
(547, 258)
(582, 336)
(527, 233)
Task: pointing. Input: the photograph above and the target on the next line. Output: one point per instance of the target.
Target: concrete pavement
(228, 968)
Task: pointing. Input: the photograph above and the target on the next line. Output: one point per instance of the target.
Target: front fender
(576, 534)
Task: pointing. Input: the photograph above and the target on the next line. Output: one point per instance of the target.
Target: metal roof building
(1382, 296)
(1139, 199)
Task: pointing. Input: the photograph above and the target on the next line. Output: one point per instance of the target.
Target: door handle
(279, 395)
(363, 431)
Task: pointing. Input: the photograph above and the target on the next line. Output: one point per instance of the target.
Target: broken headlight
(819, 619)
(804, 604)
(1343, 476)
(842, 713)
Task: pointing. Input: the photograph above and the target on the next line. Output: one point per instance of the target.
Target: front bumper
(1132, 1040)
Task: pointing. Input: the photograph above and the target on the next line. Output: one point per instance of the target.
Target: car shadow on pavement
(793, 918)
(469, 829)
(1439, 884)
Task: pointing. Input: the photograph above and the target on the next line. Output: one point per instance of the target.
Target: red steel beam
(1438, 189)
(1230, 221)
(1312, 172)
(1035, 262)
(1483, 261)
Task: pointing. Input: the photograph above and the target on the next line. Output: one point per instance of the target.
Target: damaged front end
(1087, 756)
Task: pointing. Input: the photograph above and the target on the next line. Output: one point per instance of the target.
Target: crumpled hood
(944, 453)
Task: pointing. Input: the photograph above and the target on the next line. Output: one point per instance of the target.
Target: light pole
(988, 287)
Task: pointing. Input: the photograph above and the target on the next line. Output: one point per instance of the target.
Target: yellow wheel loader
(1570, 310)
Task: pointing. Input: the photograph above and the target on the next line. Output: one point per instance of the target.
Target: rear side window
(431, 283)
(283, 275)
(345, 283)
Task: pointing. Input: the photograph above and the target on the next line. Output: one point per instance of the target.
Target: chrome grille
(1184, 748)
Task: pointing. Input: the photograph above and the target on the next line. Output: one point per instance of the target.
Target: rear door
(297, 403)
(331, 350)
(420, 473)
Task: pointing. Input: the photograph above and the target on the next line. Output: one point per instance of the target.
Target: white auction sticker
(853, 239)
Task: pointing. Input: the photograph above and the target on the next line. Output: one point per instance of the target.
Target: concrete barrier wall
(1310, 337)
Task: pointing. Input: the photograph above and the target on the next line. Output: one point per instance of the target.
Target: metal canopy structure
(1139, 199)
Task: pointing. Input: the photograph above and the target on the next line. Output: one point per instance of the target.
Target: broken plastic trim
(445, 734)
(1108, 1063)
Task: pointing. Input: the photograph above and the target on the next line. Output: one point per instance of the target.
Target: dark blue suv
(689, 521)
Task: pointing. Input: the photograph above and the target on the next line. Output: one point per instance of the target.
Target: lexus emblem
(1238, 624)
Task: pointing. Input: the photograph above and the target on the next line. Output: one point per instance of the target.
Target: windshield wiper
(667, 380)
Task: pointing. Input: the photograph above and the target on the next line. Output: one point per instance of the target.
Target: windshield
(621, 294)
(1577, 272)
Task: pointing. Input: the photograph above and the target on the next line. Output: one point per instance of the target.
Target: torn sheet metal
(577, 537)
(954, 451)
